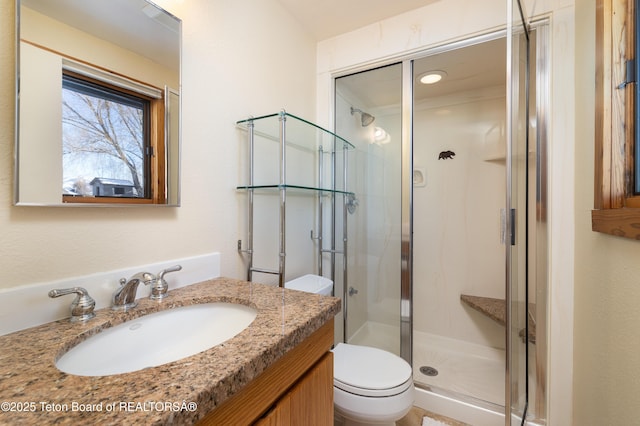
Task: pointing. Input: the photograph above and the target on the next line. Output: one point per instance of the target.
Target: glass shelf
(300, 133)
(296, 189)
(308, 159)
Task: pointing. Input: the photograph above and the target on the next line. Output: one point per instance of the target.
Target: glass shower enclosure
(449, 181)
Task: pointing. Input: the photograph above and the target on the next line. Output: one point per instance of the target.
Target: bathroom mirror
(97, 103)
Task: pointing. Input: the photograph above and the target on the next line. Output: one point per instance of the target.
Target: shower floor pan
(464, 368)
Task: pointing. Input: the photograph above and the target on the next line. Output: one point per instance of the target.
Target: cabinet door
(312, 397)
(309, 402)
(280, 414)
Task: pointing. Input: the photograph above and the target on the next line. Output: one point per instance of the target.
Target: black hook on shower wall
(445, 155)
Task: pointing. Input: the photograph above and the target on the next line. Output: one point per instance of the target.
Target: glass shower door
(368, 113)
(516, 216)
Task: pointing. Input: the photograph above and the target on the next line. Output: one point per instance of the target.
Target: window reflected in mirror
(105, 140)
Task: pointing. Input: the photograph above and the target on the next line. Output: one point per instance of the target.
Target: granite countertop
(34, 391)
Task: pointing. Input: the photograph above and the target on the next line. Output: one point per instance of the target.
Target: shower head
(365, 118)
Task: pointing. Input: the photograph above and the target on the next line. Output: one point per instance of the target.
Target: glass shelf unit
(310, 157)
(289, 156)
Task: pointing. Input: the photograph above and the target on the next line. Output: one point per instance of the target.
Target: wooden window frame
(616, 206)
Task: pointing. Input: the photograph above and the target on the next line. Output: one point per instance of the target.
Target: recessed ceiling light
(431, 77)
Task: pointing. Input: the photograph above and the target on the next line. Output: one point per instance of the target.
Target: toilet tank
(311, 284)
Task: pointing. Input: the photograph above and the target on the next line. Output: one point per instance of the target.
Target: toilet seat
(368, 371)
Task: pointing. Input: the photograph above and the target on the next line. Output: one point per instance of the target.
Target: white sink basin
(156, 339)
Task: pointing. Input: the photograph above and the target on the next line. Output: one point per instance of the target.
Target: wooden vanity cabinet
(296, 390)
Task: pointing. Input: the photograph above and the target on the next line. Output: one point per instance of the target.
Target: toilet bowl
(370, 386)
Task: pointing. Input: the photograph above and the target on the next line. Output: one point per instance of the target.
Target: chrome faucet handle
(81, 307)
(160, 287)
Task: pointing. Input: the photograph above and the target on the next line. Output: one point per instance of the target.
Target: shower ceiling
(468, 69)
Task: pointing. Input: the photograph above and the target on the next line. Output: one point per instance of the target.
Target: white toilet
(370, 386)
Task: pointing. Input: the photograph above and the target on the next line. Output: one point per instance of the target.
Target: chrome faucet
(81, 307)
(125, 296)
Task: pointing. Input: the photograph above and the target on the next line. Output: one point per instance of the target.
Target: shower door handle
(508, 233)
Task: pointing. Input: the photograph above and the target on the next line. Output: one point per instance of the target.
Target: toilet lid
(369, 368)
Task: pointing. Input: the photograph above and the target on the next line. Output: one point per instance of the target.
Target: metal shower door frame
(406, 215)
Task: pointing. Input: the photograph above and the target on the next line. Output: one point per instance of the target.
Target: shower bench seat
(496, 309)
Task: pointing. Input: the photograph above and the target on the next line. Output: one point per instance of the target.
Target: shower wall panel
(457, 211)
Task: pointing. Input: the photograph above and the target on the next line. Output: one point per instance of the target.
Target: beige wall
(239, 58)
(607, 288)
